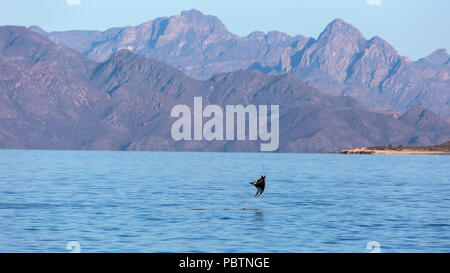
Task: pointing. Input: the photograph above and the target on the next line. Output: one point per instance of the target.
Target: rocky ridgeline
(52, 97)
(340, 61)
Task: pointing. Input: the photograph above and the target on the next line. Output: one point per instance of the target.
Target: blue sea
(203, 202)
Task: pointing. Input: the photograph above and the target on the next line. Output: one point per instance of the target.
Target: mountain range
(340, 61)
(54, 97)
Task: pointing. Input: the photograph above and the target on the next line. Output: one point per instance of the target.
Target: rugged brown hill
(45, 95)
(52, 97)
(340, 61)
(198, 44)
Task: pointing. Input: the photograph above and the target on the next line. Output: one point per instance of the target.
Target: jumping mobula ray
(260, 184)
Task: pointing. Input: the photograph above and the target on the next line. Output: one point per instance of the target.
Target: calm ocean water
(202, 202)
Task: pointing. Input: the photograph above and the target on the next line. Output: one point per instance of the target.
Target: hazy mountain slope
(340, 61)
(54, 98)
(198, 44)
(46, 98)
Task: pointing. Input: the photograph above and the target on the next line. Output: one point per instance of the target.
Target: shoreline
(392, 152)
(362, 150)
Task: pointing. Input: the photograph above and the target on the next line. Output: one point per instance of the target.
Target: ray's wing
(260, 188)
(259, 182)
(259, 192)
(262, 185)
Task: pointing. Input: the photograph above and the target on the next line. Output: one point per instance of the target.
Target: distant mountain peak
(382, 45)
(416, 113)
(24, 45)
(191, 13)
(125, 57)
(122, 53)
(197, 19)
(38, 29)
(342, 29)
(193, 25)
(439, 56)
(341, 25)
(378, 41)
(416, 109)
(338, 22)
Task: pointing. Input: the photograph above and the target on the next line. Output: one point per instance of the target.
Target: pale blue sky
(414, 27)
